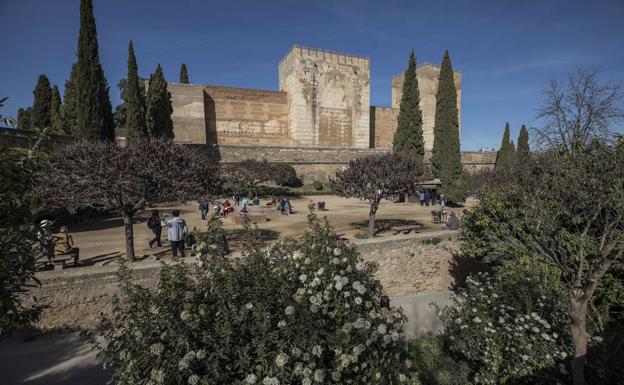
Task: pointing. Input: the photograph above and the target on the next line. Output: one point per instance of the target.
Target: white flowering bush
(506, 331)
(299, 312)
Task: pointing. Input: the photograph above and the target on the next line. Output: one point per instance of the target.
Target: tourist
(244, 210)
(203, 209)
(176, 233)
(64, 244)
(237, 198)
(216, 208)
(421, 197)
(442, 202)
(154, 224)
(452, 223)
(256, 201)
(227, 208)
(432, 196)
(281, 206)
(287, 206)
(245, 201)
(427, 198)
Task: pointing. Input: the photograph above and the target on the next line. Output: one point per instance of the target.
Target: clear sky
(507, 50)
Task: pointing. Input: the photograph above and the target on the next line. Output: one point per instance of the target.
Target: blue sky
(507, 50)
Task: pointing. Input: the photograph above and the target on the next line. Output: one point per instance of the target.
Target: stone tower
(427, 75)
(328, 97)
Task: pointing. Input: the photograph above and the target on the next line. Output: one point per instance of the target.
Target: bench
(435, 217)
(61, 260)
(405, 228)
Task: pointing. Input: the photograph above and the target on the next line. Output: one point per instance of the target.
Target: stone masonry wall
(328, 97)
(246, 116)
(76, 297)
(189, 121)
(383, 126)
(427, 75)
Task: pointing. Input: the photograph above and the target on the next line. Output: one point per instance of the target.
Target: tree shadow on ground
(461, 267)
(385, 225)
(108, 222)
(102, 258)
(237, 237)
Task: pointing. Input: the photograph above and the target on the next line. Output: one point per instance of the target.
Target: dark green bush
(317, 185)
(287, 176)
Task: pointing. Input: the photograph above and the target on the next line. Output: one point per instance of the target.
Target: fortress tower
(328, 97)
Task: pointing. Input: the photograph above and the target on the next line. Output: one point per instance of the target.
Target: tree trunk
(371, 224)
(578, 314)
(128, 218)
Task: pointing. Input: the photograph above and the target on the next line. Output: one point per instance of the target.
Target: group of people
(177, 232)
(427, 197)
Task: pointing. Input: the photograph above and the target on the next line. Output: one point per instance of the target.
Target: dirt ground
(101, 240)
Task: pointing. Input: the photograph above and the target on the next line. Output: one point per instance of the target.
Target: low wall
(15, 137)
(407, 267)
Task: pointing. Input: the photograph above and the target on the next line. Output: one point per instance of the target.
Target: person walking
(421, 197)
(154, 224)
(176, 233)
(237, 198)
(427, 198)
(433, 198)
(203, 209)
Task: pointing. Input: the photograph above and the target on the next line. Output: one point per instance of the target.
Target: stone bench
(405, 228)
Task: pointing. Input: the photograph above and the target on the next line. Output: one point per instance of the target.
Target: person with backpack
(177, 233)
(153, 223)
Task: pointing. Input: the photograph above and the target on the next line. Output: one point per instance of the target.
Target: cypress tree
(184, 74)
(135, 102)
(408, 137)
(523, 152)
(23, 119)
(94, 111)
(446, 155)
(69, 107)
(56, 120)
(40, 115)
(505, 158)
(158, 107)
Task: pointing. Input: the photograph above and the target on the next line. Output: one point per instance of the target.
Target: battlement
(425, 66)
(324, 55)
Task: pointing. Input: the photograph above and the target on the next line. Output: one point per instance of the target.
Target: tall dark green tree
(40, 115)
(23, 118)
(55, 111)
(94, 111)
(523, 153)
(135, 101)
(184, 74)
(505, 158)
(446, 155)
(158, 107)
(69, 107)
(408, 137)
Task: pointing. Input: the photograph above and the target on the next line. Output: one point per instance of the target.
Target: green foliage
(511, 325)
(408, 137)
(300, 311)
(317, 185)
(184, 74)
(505, 158)
(446, 156)
(523, 153)
(429, 354)
(287, 176)
(135, 101)
(56, 119)
(69, 109)
(361, 235)
(158, 107)
(40, 114)
(94, 114)
(19, 241)
(23, 119)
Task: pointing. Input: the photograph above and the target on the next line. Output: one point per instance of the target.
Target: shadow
(462, 266)
(372, 127)
(102, 258)
(210, 116)
(385, 225)
(108, 222)
(59, 358)
(236, 237)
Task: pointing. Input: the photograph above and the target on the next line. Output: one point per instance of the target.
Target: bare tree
(375, 177)
(579, 110)
(125, 178)
(574, 220)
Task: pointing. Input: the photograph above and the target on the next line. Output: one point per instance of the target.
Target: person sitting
(226, 208)
(244, 210)
(452, 223)
(64, 245)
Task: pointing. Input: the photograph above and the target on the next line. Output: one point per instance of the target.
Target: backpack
(189, 241)
(152, 223)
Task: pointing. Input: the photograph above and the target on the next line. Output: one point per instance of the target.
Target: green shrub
(433, 363)
(435, 241)
(361, 235)
(299, 311)
(509, 326)
(317, 185)
(287, 176)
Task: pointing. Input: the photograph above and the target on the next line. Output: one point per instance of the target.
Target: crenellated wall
(328, 96)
